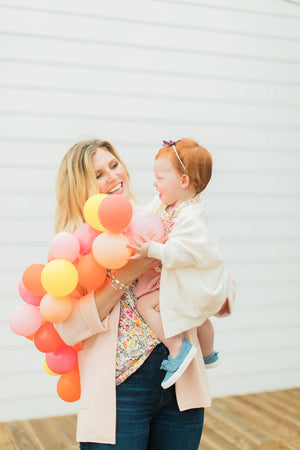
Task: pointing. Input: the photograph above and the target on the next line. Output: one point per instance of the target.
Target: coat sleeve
(83, 322)
(190, 243)
(226, 308)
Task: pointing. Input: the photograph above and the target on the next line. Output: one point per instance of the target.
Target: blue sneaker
(211, 360)
(176, 366)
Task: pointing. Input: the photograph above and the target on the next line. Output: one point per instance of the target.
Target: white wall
(225, 72)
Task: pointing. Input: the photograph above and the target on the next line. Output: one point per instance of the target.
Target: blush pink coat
(96, 420)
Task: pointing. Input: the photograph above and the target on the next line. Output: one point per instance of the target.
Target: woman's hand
(134, 268)
(106, 297)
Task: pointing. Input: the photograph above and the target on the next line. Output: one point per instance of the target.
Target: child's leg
(206, 337)
(146, 307)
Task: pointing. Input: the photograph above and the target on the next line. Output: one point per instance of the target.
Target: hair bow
(170, 143)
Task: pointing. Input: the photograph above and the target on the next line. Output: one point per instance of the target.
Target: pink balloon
(25, 319)
(27, 296)
(143, 224)
(64, 245)
(86, 235)
(62, 360)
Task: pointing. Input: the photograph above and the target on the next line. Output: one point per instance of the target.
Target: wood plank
(259, 422)
(265, 421)
(6, 441)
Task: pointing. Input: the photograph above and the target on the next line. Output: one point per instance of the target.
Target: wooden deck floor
(268, 421)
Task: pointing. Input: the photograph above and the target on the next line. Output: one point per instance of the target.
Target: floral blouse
(135, 339)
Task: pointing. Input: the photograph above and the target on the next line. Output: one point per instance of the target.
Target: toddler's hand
(140, 249)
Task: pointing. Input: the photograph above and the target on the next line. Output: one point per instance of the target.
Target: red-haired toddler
(192, 282)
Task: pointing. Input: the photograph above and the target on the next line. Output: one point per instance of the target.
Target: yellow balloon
(48, 370)
(90, 211)
(55, 309)
(59, 277)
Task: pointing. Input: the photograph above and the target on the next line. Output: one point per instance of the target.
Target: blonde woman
(122, 405)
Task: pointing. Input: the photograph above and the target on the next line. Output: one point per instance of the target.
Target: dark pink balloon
(27, 296)
(62, 360)
(86, 235)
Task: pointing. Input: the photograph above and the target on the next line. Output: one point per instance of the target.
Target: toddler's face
(168, 182)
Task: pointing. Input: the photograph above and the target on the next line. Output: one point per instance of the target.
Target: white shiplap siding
(226, 72)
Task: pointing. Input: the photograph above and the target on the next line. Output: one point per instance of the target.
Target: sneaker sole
(212, 365)
(182, 368)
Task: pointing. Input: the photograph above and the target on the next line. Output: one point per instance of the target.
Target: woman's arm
(106, 297)
(90, 314)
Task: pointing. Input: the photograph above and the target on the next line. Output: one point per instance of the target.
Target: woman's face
(110, 174)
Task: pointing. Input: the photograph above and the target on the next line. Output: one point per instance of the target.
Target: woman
(122, 404)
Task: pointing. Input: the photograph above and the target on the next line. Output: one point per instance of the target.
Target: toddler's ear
(185, 181)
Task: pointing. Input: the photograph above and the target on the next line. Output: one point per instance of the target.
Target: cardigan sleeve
(189, 243)
(83, 322)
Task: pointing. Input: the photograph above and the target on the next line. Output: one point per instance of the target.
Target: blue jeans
(148, 417)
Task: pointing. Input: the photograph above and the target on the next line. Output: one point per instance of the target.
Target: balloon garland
(77, 263)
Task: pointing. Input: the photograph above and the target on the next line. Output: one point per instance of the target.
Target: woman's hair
(195, 159)
(76, 182)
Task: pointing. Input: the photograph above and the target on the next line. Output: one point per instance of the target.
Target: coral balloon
(145, 224)
(110, 250)
(86, 235)
(68, 386)
(47, 339)
(64, 245)
(48, 370)
(55, 309)
(27, 296)
(115, 212)
(62, 360)
(59, 277)
(32, 279)
(91, 274)
(90, 211)
(25, 319)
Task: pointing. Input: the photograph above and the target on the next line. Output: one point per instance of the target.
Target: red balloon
(115, 212)
(47, 339)
(63, 360)
(91, 274)
(68, 386)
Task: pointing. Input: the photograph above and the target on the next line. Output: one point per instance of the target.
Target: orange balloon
(30, 337)
(91, 274)
(55, 309)
(77, 293)
(111, 251)
(77, 347)
(32, 279)
(68, 386)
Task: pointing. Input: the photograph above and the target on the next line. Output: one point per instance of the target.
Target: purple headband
(172, 144)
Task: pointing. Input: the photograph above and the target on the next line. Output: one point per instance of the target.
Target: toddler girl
(194, 281)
